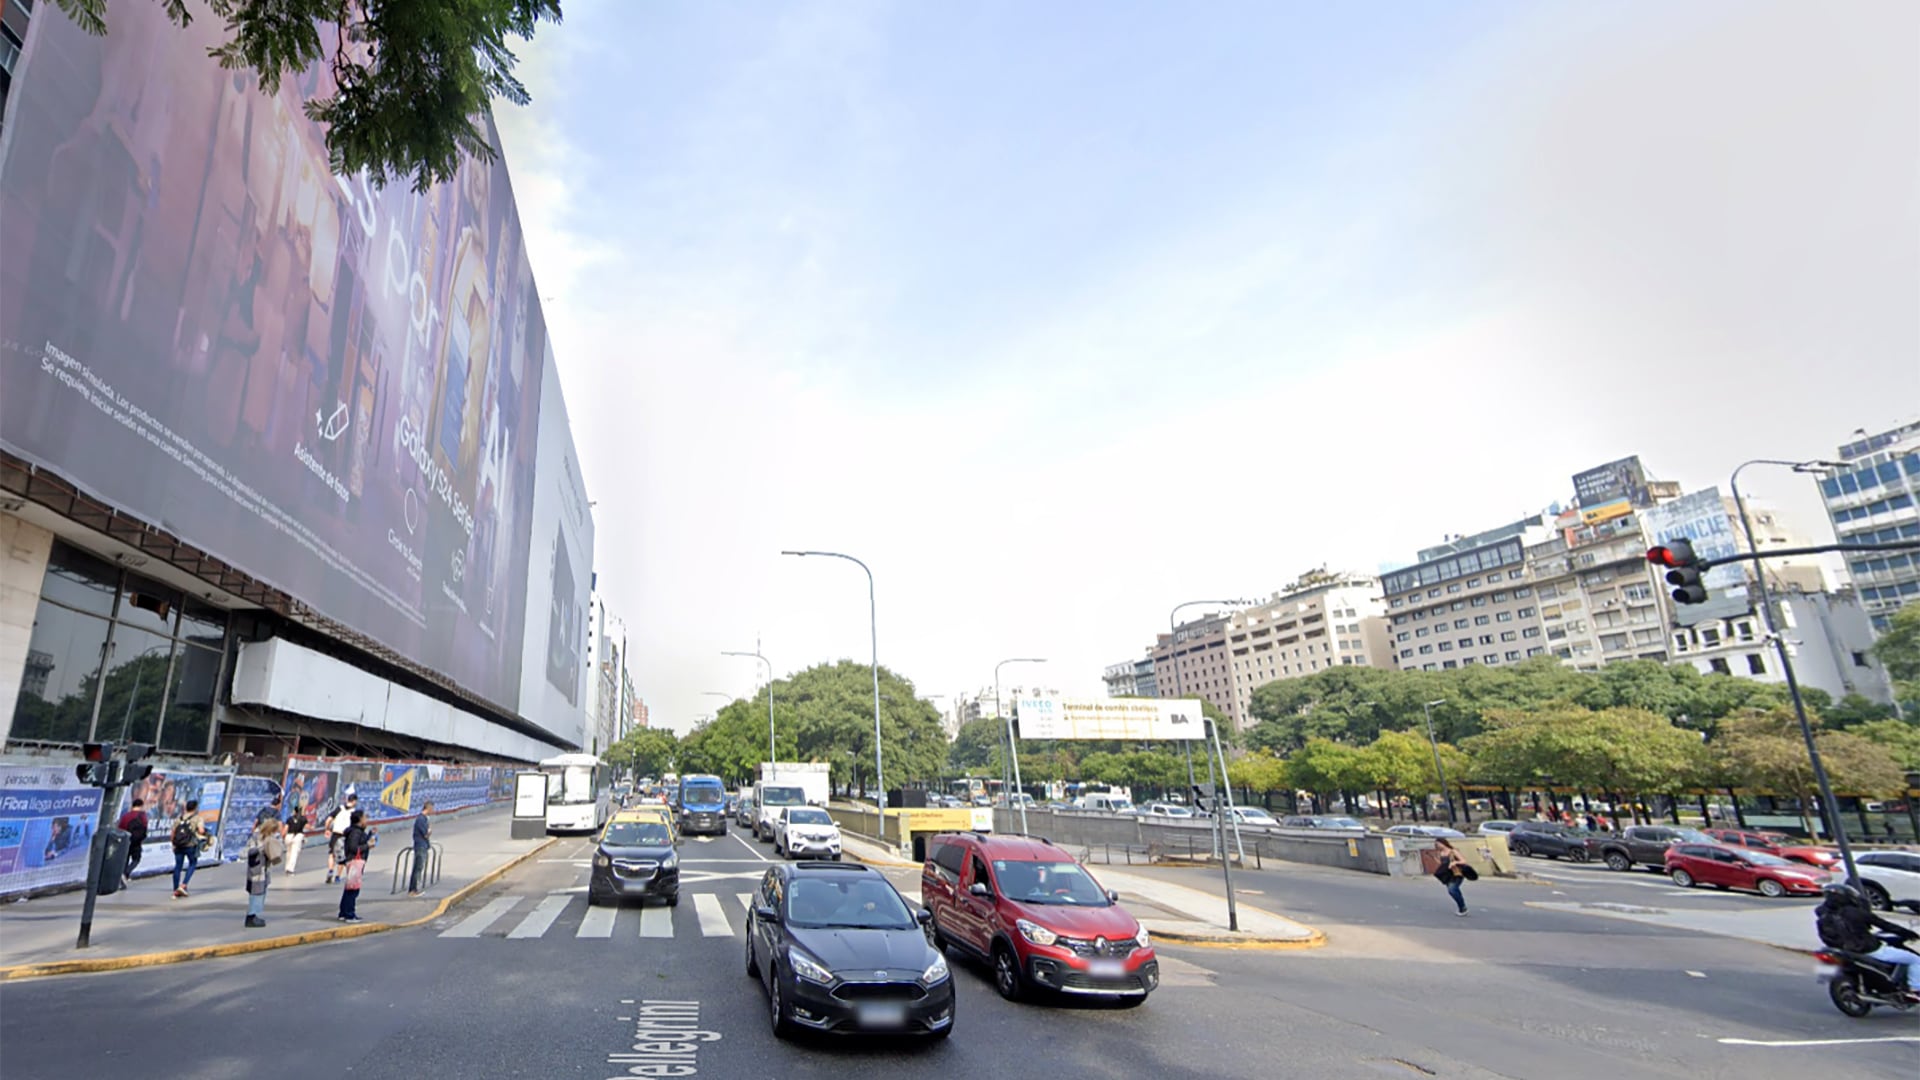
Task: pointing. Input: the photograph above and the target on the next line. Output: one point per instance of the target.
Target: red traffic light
(96, 751)
(1673, 553)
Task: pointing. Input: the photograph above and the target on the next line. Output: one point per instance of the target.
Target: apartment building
(1131, 678)
(1829, 635)
(1192, 662)
(1321, 621)
(1468, 601)
(1876, 500)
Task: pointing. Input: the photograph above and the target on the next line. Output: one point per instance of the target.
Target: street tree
(1764, 753)
(1898, 650)
(410, 82)
(1901, 740)
(645, 752)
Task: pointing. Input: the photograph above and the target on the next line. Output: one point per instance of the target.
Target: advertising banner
(167, 795)
(47, 819)
(312, 785)
(1110, 718)
(246, 797)
(390, 791)
(559, 580)
(1701, 517)
(333, 387)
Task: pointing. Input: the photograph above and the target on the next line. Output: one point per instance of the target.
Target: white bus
(579, 793)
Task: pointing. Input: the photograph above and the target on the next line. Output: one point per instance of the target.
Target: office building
(1468, 601)
(1876, 500)
(1192, 661)
(1320, 621)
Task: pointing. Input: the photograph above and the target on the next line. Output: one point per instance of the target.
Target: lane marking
(474, 924)
(1820, 1042)
(746, 900)
(540, 919)
(751, 849)
(1697, 974)
(656, 921)
(598, 923)
(713, 917)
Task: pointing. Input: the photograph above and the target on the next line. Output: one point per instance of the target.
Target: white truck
(786, 783)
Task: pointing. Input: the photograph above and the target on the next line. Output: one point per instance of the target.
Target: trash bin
(113, 864)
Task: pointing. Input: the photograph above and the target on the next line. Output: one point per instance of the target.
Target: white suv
(806, 832)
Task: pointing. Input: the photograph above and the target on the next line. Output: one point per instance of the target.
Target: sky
(1057, 315)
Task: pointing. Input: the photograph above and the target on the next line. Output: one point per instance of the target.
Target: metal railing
(403, 868)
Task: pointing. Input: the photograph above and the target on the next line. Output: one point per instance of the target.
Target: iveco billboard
(333, 387)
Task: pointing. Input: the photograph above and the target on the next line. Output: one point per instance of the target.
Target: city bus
(579, 792)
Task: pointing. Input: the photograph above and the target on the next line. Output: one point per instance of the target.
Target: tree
(1900, 738)
(1258, 771)
(1899, 651)
(411, 80)
(645, 751)
(980, 745)
(1324, 766)
(1853, 711)
(1765, 753)
(1624, 751)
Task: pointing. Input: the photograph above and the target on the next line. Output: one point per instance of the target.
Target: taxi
(650, 812)
(635, 859)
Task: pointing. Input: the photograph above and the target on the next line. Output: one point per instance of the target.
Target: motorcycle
(1857, 983)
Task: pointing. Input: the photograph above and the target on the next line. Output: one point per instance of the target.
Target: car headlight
(672, 860)
(935, 972)
(600, 859)
(1036, 933)
(1141, 939)
(808, 968)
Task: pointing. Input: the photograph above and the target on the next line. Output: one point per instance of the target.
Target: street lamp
(772, 757)
(1829, 811)
(1439, 769)
(873, 626)
(1013, 751)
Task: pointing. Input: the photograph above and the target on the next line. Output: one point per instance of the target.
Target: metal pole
(873, 624)
(772, 754)
(1438, 768)
(1829, 810)
(1226, 864)
(1173, 632)
(1013, 749)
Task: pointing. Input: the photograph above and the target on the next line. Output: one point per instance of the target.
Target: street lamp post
(772, 757)
(1829, 811)
(1013, 752)
(1438, 769)
(873, 625)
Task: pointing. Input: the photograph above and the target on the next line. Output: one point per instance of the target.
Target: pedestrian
(269, 812)
(296, 835)
(134, 824)
(264, 849)
(353, 859)
(337, 827)
(189, 837)
(422, 847)
(1888, 825)
(1451, 870)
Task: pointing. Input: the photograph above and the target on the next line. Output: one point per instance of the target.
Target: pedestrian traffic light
(135, 770)
(1683, 570)
(97, 768)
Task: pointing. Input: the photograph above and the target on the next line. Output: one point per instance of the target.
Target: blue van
(701, 803)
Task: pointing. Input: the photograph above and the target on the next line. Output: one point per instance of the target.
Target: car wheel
(777, 1016)
(939, 939)
(1771, 889)
(673, 898)
(1520, 850)
(1683, 879)
(1878, 897)
(753, 962)
(1008, 979)
(1618, 861)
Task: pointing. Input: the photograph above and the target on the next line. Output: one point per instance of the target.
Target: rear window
(782, 796)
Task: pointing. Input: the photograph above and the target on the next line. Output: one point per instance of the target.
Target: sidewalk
(1783, 928)
(1168, 911)
(143, 925)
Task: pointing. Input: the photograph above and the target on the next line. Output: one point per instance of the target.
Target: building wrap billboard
(554, 684)
(1701, 518)
(335, 388)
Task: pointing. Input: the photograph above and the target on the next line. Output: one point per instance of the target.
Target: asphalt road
(520, 981)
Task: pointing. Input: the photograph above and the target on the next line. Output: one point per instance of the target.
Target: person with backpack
(264, 849)
(134, 824)
(189, 837)
(353, 849)
(1451, 869)
(1845, 921)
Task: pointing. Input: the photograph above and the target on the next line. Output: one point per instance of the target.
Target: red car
(1734, 868)
(1036, 917)
(1777, 844)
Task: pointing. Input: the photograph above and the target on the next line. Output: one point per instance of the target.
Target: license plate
(1106, 969)
(883, 1015)
(1824, 972)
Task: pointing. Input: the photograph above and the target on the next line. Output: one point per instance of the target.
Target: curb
(241, 948)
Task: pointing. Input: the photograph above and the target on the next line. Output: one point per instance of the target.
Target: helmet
(1844, 892)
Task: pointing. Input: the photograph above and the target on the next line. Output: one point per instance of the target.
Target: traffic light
(97, 768)
(135, 770)
(1683, 570)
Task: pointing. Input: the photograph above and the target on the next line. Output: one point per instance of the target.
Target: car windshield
(866, 903)
(1254, 815)
(637, 834)
(1048, 883)
(693, 792)
(782, 796)
(808, 815)
(1693, 836)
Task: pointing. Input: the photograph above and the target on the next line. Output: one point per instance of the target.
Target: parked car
(1778, 844)
(1729, 868)
(1551, 840)
(1646, 845)
(1890, 878)
(805, 832)
(1166, 810)
(1316, 821)
(837, 949)
(1436, 831)
(1253, 815)
(1036, 917)
(635, 859)
(1501, 828)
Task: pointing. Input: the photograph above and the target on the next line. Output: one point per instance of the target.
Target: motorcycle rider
(1846, 922)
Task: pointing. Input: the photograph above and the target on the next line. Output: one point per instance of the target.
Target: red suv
(1036, 916)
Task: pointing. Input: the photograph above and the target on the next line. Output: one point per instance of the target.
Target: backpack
(184, 838)
(1837, 931)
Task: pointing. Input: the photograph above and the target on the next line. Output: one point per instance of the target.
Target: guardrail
(403, 867)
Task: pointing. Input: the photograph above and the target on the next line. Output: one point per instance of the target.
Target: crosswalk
(521, 918)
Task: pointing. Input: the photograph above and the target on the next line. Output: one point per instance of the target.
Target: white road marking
(749, 845)
(540, 919)
(575, 862)
(598, 923)
(1697, 974)
(656, 921)
(475, 924)
(1820, 1042)
(746, 900)
(713, 917)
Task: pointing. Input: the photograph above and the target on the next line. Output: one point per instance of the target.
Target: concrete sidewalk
(144, 925)
(1169, 911)
(1789, 927)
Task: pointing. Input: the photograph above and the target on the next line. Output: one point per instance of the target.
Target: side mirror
(924, 916)
(766, 913)
(979, 888)
(1113, 896)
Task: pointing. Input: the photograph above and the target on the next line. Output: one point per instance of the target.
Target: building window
(1481, 620)
(1525, 613)
(1454, 587)
(1508, 635)
(1514, 655)
(1514, 575)
(1446, 646)
(1719, 665)
(1860, 660)
(1479, 601)
(1486, 639)
(1404, 654)
(1523, 591)
(1535, 651)
(1473, 583)
(1448, 665)
(1421, 632)
(1531, 631)
(1466, 643)
(1490, 658)
(1426, 650)
(1401, 636)
(1503, 616)
(1459, 624)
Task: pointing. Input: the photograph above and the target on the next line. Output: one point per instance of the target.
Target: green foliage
(413, 80)
(645, 751)
(1765, 751)
(1853, 711)
(979, 747)
(1625, 750)
(1901, 740)
(1899, 651)
(1258, 771)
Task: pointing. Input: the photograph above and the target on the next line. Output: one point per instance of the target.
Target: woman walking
(296, 835)
(1452, 870)
(264, 848)
(353, 854)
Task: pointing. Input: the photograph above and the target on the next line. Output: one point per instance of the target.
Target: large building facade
(1192, 661)
(284, 461)
(1876, 499)
(1467, 602)
(1323, 620)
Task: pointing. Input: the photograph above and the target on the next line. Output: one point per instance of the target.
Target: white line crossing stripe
(475, 924)
(746, 900)
(713, 917)
(656, 921)
(541, 918)
(598, 923)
